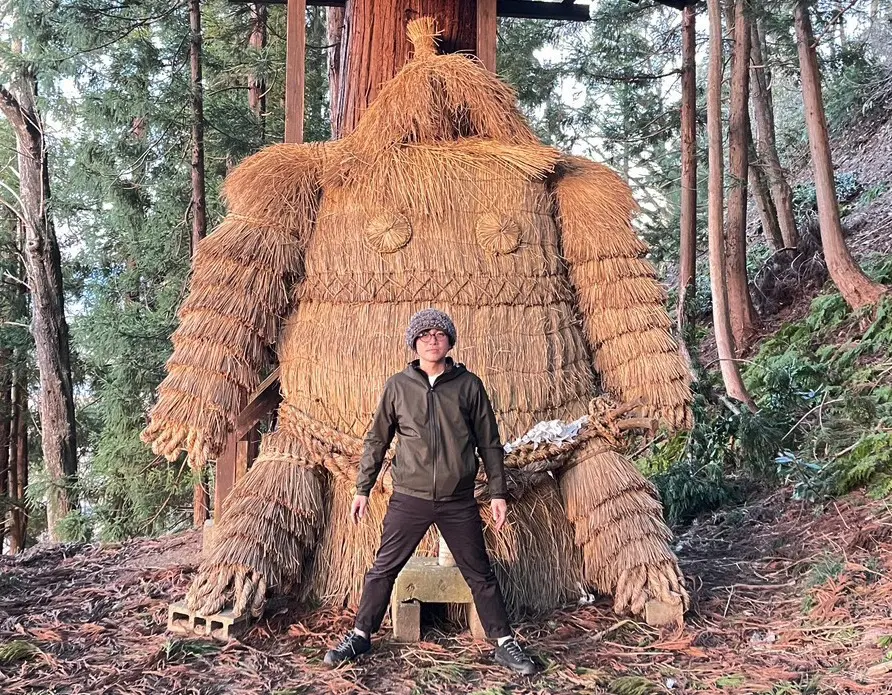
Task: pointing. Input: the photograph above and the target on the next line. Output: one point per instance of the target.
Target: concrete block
(406, 618)
(659, 613)
(474, 624)
(219, 626)
(422, 579)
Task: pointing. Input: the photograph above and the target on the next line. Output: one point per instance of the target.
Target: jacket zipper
(434, 427)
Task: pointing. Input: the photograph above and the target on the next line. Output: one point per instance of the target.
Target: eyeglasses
(431, 336)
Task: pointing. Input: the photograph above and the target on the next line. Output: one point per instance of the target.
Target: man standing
(442, 414)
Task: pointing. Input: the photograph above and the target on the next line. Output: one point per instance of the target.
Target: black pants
(407, 520)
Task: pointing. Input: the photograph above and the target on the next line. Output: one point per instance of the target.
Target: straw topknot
(441, 197)
(424, 36)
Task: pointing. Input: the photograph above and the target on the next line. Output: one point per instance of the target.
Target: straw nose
(423, 35)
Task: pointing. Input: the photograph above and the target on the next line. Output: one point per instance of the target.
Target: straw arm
(239, 289)
(619, 298)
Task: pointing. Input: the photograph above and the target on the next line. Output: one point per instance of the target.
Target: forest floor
(787, 598)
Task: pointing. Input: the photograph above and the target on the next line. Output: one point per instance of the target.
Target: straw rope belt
(526, 466)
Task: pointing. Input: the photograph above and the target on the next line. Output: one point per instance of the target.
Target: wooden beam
(524, 9)
(226, 473)
(295, 70)
(486, 33)
(261, 403)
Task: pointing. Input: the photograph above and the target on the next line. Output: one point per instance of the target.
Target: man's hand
(357, 511)
(499, 513)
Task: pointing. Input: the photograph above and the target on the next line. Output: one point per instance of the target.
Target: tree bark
(18, 459)
(256, 83)
(368, 57)
(688, 214)
(743, 314)
(721, 321)
(856, 288)
(199, 203)
(767, 212)
(5, 419)
(200, 497)
(335, 33)
(766, 141)
(49, 327)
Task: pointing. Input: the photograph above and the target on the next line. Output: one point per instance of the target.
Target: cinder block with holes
(219, 626)
(424, 581)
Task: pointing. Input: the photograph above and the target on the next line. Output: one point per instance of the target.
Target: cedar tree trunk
(856, 288)
(49, 327)
(766, 142)
(371, 56)
(743, 314)
(721, 322)
(688, 215)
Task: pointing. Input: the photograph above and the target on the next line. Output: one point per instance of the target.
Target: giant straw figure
(443, 197)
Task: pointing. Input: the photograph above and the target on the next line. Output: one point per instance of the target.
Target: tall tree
(198, 206)
(720, 318)
(766, 140)
(743, 314)
(257, 82)
(767, 211)
(49, 326)
(688, 214)
(856, 288)
(371, 56)
(334, 29)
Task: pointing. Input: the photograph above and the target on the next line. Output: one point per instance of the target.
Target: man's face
(432, 345)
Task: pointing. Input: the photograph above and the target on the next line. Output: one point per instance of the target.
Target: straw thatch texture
(619, 526)
(618, 295)
(534, 556)
(272, 518)
(237, 293)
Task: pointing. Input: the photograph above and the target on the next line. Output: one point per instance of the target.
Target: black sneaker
(350, 647)
(511, 656)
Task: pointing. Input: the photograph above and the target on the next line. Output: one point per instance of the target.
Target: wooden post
(487, 33)
(226, 469)
(295, 70)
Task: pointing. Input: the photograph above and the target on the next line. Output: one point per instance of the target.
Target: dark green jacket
(439, 429)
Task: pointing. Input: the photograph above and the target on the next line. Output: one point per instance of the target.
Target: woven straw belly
(492, 263)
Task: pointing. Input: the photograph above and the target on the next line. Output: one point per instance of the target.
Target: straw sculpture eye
(498, 235)
(388, 233)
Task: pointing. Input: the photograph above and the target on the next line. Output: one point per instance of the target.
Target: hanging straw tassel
(534, 557)
(272, 519)
(620, 528)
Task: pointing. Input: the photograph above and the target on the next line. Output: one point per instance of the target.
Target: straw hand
(168, 440)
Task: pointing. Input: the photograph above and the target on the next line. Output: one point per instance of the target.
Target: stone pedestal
(423, 580)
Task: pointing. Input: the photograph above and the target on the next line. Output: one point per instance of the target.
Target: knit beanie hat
(425, 320)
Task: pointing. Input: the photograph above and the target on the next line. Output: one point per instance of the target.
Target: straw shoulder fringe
(635, 355)
(238, 288)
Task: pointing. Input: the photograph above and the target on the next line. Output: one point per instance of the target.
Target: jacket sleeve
(489, 445)
(377, 441)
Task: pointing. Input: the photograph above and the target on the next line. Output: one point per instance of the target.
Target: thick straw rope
(525, 467)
